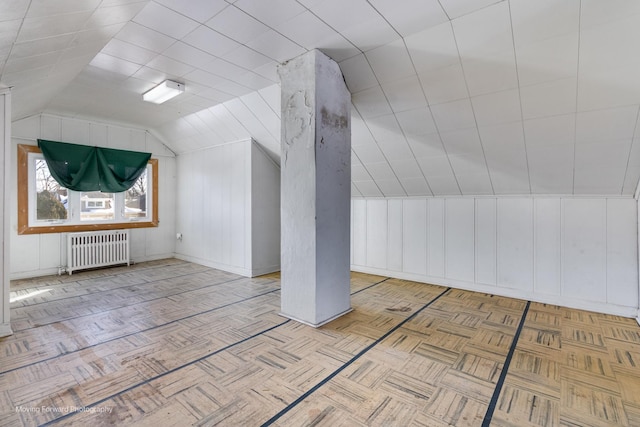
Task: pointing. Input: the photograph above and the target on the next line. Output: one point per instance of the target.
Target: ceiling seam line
(575, 122)
(524, 135)
(473, 111)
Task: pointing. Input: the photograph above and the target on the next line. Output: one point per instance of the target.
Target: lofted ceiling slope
(450, 97)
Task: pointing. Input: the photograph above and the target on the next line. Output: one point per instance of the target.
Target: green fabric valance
(86, 168)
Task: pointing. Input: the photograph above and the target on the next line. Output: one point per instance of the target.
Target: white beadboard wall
(228, 209)
(41, 254)
(575, 252)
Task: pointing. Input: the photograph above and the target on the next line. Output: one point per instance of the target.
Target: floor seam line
(362, 352)
(505, 368)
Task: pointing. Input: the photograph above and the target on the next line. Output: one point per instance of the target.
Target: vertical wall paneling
(580, 252)
(41, 254)
(435, 237)
(75, 131)
(485, 241)
(5, 215)
(394, 235)
(414, 236)
(547, 239)
(359, 227)
(50, 128)
(622, 251)
(515, 243)
(351, 235)
(584, 249)
(459, 239)
(265, 212)
(232, 221)
(377, 229)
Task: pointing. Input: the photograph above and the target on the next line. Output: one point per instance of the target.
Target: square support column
(315, 189)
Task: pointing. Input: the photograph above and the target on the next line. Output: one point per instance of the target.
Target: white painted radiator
(97, 249)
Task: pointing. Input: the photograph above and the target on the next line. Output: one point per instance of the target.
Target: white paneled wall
(577, 252)
(228, 208)
(41, 254)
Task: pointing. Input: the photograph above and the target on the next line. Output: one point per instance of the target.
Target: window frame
(24, 180)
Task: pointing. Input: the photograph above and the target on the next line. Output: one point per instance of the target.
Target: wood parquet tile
(172, 343)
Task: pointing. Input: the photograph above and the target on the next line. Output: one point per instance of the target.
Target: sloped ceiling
(449, 97)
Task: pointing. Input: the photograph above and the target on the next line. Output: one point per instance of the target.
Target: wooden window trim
(23, 202)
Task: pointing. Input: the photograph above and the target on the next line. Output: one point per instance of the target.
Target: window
(46, 207)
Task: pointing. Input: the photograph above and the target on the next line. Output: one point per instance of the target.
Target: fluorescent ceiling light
(163, 92)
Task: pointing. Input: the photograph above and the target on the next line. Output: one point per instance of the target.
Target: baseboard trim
(316, 325)
(5, 330)
(605, 308)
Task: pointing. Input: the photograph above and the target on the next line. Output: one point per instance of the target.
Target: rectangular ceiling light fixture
(163, 92)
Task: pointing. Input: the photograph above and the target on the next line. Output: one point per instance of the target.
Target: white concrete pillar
(315, 189)
(5, 161)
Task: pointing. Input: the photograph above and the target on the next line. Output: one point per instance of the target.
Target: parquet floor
(170, 343)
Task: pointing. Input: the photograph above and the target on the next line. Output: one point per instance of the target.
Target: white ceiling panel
(368, 189)
(475, 184)
(359, 173)
(554, 98)
(169, 66)
(371, 102)
(465, 141)
(276, 46)
(246, 58)
(405, 94)
(502, 137)
(144, 37)
(608, 124)
(380, 171)
(454, 115)
(490, 73)
(595, 12)
(391, 62)
(607, 46)
(484, 32)
(547, 60)
(128, 51)
(609, 154)
(110, 15)
(456, 8)
(210, 41)
(554, 130)
(599, 181)
(198, 10)
(391, 188)
(271, 13)
(538, 20)
(412, 16)
(358, 73)
(416, 122)
(370, 30)
(433, 48)
(164, 20)
(369, 154)
(10, 10)
(43, 27)
(427, 146)
(237, 25)
(497, 108)
(444, 185)
(396, 149)
(444, 84)
(406, 169)
(610, 87)
(435, 166)
(521, 97)
(416, 186)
